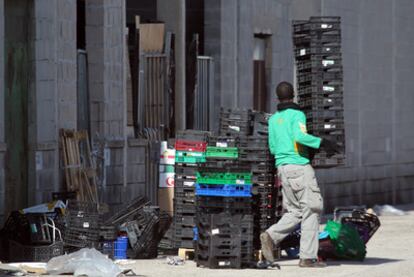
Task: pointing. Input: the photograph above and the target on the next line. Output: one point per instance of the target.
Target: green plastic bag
(347, 242)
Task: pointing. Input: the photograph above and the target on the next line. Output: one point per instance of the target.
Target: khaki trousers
(303, 201)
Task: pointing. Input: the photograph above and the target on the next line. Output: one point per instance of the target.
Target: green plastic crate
(244, 178)
(348, 244)
(190, 157)
(222, 152)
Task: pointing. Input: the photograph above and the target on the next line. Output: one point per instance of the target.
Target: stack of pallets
(190, 148)
(320, 81)
(224, 219)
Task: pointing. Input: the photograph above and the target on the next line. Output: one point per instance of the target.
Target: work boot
(267, 246)
(311, 263)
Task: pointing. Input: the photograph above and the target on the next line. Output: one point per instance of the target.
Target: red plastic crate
(190, 145)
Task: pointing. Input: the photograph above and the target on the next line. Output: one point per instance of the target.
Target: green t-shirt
(288, 135)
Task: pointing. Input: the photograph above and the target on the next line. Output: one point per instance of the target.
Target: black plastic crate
(263, 167)
(319, 77)
(224, 166)
(184, 195)
(184, 201)
(307, 39)
(223, 141)
(305, 52)
(329, 114)
(328, 162)
(107, 233)
(223, 202)
(254, 142)
(263, 178)
(184, 177)
(230, 210)
(184, 183)
(261, 117)
(24, 253)
(29, 229)
(185, 170)
(184, 243)
(366, 224)
(184, 208)
(236, 114)
(183, 220)
(183, 231)
(319, 63)
(235, 128)
(260, 129)
(194, 135)
(321, 89)
(322, 24)
(81, 237)
(224, 220)
(248, 155)
(321, 102)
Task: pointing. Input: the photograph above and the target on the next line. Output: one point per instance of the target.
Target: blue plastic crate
(224, 190)
(121, 245)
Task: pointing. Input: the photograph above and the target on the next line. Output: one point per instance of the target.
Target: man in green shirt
(288, 141)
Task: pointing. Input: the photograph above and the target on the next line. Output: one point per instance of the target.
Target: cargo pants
(303, 201)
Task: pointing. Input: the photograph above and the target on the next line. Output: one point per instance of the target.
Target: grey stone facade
(378, 98)
(2, 139)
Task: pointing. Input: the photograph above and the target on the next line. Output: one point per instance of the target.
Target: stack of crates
(236, 122)
(224, 218)
(190, 148)
(320, 81)
(267, 197)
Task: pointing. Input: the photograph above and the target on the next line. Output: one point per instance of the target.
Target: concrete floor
(390, 253)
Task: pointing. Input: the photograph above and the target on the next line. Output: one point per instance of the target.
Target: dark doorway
(18, 17)
(81, 23)
(261, 64)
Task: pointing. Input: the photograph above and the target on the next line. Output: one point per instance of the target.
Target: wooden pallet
(186, 253)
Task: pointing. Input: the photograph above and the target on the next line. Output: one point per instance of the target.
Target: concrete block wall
(377, 59)
(2, 138)
(124, 181)
(230, 27)
(377, 45)
(105, 44)
(52, 101)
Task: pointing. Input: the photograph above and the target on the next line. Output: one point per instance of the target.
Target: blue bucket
(120, 249)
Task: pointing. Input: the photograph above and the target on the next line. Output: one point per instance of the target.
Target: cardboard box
(165, 200)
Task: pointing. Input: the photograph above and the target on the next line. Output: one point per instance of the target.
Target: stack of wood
(80, 168)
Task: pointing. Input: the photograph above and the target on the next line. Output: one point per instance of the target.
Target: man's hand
(330, 147)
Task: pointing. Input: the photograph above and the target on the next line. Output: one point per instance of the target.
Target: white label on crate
(215, 231)
(329, 126)
(86, 225)
(240, 181)
(326, 26)
(328, 88)
(221, 144)
(223, 263)
(328, 49)
(188, 184)
(302, 52)
(328, 62)
(235, 128)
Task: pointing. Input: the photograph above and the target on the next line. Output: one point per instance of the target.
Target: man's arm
(271, 139)
(300, 133)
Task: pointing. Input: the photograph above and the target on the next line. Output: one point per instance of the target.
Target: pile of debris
(133, 232)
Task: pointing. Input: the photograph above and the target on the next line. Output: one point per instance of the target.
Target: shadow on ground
(367, 261)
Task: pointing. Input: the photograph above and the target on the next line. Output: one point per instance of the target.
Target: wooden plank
(186, 253)
(151, 37)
